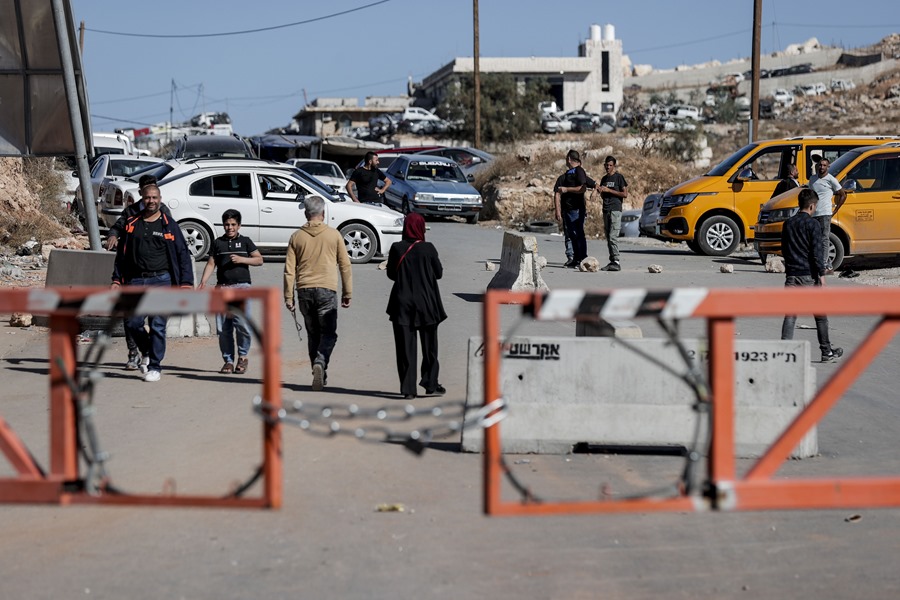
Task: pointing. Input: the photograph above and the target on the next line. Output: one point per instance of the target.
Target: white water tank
(595, 33)
(609, 32)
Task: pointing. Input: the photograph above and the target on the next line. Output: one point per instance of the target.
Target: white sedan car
(270, 198)
(325, 171)
(107, 168)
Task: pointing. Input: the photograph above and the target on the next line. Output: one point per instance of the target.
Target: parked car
(713, 213)
(806, 90)
(122, 192)
(842, 85)
(270, 197)
(112, 143)
(554, 124)
(631, 223)
(105, 169)
(431, 185)
(325, 171)
(649, 215)
(783, 97)
(684, 111)
(867, 222)
(212, 146)
(470, 160)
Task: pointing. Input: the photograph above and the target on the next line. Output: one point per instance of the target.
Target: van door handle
(266, 210)
(203, 206)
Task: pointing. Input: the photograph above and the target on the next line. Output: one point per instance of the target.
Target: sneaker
(570, 263)
(318, 381)
(613, 266)
(145, 364)
(832, 355)
(438, 391)
(152, 376)
(134, 362)
(829, 270)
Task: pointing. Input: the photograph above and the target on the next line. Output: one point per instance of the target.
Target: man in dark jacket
(415, 306)
(804, 265)
(152, 252)
(788, 183)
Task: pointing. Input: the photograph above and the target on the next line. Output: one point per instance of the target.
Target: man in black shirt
(231, 256)
(804, 265)
(613, 189)
(152, 252)
(571, 208)
(365, 181)
(788, 183)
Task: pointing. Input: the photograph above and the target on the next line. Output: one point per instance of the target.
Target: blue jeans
(825, 222)
(152, 343)
(319, 309)
(787, 326)
(231, 326)
(573, 221)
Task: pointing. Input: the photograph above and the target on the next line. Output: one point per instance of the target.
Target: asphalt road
(194, 430)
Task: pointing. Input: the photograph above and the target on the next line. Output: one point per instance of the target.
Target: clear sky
(374, 46)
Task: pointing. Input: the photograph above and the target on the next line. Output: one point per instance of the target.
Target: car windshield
(845, 159)
(434, 171)
(317, 169)
(723, 167)
(315, 184)
(158, 170)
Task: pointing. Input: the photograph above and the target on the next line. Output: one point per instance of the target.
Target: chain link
(369, 424)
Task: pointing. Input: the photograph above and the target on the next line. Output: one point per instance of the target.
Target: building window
(604, 70)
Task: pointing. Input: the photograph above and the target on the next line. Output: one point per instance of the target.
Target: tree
(509, 109)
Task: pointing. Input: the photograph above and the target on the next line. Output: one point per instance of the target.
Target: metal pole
(477, 76)
(84, 174)
(81, 39)
(754, 87)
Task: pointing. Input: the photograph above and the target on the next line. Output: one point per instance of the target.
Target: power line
(700, 41)
(245, 31)
(832, 26)
(142, 96)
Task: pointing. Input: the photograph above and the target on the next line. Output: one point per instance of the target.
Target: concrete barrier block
(519, 268)
(76, 268)
(594, 390)
(620, 328)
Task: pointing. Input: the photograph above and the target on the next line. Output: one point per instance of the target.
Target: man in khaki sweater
(313, 252)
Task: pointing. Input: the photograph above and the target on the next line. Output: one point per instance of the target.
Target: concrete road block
(76, 268)
(594, 390)
(518, 264)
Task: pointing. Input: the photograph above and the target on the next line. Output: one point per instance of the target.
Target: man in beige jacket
(313, 253)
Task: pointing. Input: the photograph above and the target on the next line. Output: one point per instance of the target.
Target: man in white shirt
(826, 188)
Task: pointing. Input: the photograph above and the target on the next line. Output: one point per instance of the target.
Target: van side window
(766, 165)
(879, 173)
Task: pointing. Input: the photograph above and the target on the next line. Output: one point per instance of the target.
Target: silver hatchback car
(431, 185)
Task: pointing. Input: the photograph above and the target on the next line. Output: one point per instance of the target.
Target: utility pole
(81, 39)
(754, 85)
(477, 76)
(171, 111)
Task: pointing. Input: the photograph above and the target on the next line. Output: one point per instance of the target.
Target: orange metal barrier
(756, 490)
(62, 483)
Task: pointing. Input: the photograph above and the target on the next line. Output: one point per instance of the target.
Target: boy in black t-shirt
(232, 255)
(613, 189)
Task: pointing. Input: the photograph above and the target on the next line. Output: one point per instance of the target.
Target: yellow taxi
(715, 212)
(869, 220)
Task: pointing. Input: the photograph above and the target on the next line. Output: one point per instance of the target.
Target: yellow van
(869, 220)
(715, 212)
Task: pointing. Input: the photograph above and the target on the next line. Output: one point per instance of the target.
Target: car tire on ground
(836, 252)
(360, 241)
(198, 238)
(542, 227)
(472, 219)
(404, 206)
(719, 236)
(763, 258)
(694, 247)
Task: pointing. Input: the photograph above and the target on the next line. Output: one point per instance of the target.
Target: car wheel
(694, 247)
(719, 236)
(198, 238)
(763, 258)
(360, 241)
(472, 219)
(404, 206)
(835, 251)
(542, 227)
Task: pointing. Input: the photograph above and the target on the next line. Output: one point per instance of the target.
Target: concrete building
(337, 116)
(592, 80)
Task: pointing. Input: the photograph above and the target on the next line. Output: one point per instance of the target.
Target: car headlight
(683, 199)
(425, 197)
(777, 216)
(472, 199)
(398, 222)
